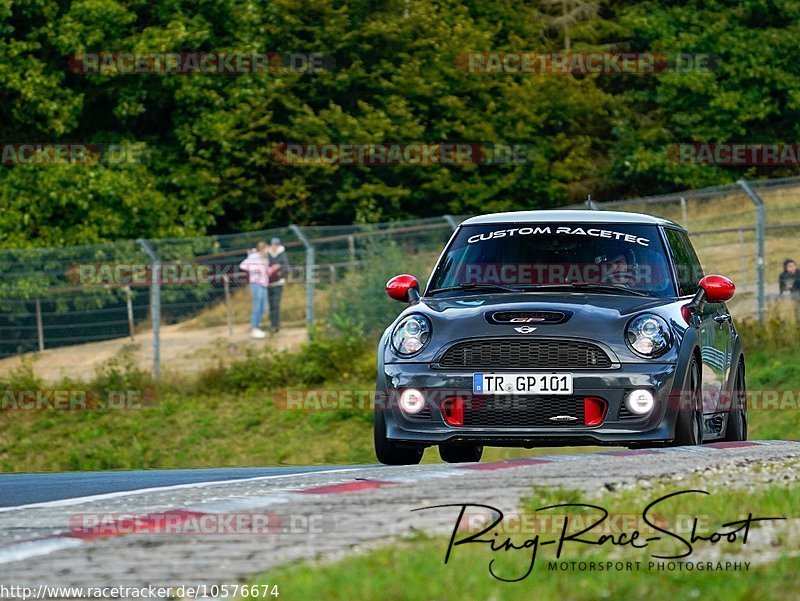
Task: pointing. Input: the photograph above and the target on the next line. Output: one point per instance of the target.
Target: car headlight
(411, 335)
(648, 335)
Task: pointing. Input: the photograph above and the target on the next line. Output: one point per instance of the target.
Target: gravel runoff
(350, 522)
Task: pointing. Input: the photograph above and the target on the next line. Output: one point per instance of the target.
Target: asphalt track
(174, 527)
(26, 489)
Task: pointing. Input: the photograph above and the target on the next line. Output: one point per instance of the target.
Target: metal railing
(70, 298)
(744, 230)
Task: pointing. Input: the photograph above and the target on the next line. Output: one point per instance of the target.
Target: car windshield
(605, 258)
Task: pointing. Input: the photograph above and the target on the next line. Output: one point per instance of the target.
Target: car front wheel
(689, 425)
(389, 452)
(736, 430)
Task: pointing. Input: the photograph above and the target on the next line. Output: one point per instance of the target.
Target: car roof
(582, 216)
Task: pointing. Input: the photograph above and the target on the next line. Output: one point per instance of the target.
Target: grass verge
(414, 568)
(228, 416)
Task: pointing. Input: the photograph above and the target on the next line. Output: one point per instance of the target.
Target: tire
(389, 452)
(736, 428)
(460, 453)
(689, 425)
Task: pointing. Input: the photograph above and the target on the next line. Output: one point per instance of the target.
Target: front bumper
(618, 428)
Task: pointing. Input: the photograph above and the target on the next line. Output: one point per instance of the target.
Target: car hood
(596, 317)
(611, 304)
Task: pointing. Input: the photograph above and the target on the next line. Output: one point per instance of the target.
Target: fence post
(742, 256)
(684, 217)
(309, 274)
(351, 247)
(155, 305)
(129, 302)
(228, 314)
(39, 326)
(761, 211)
(450, 220)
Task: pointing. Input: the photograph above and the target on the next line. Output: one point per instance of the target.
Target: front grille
(523, 412)
(526, 354)
(551, 317)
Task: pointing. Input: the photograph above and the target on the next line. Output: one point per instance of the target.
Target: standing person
(789, 280)
(279, 268)
(257, 268)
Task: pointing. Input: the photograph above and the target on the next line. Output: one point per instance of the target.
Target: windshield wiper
(597, 287)
(476, 286)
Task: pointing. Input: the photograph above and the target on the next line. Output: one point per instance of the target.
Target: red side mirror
(400, 288)
(718, 289)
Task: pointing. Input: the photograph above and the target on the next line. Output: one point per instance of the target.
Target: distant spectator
(279, 269)
(789, 279)
(257, 267)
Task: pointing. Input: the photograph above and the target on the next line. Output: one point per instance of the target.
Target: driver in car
(619, 268)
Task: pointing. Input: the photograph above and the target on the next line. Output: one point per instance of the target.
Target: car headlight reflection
(411, 335)
(648, 335)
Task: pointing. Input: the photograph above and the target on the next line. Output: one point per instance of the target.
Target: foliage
(326, 357)
(121, 373)
(210, 164)
(22, 378)
(358, 305)
(749, 95)
(771, 337)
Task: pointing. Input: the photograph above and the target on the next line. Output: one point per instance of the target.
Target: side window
(686, 262)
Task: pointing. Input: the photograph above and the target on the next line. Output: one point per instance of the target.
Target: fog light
(640, 402)
(412, 401)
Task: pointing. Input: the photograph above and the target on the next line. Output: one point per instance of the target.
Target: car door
(715, 354)
(714, 332)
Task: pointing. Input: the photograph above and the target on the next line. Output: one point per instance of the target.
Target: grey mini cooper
(548, 328)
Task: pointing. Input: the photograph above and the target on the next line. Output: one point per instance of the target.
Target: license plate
(521, 383)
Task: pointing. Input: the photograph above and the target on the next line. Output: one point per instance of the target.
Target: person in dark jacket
(279, 269)
(789, 280)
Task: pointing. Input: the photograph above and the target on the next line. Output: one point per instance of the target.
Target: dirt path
(183, 350)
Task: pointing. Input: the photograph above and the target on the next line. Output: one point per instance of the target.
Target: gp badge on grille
(563, 418)
(534, 316)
